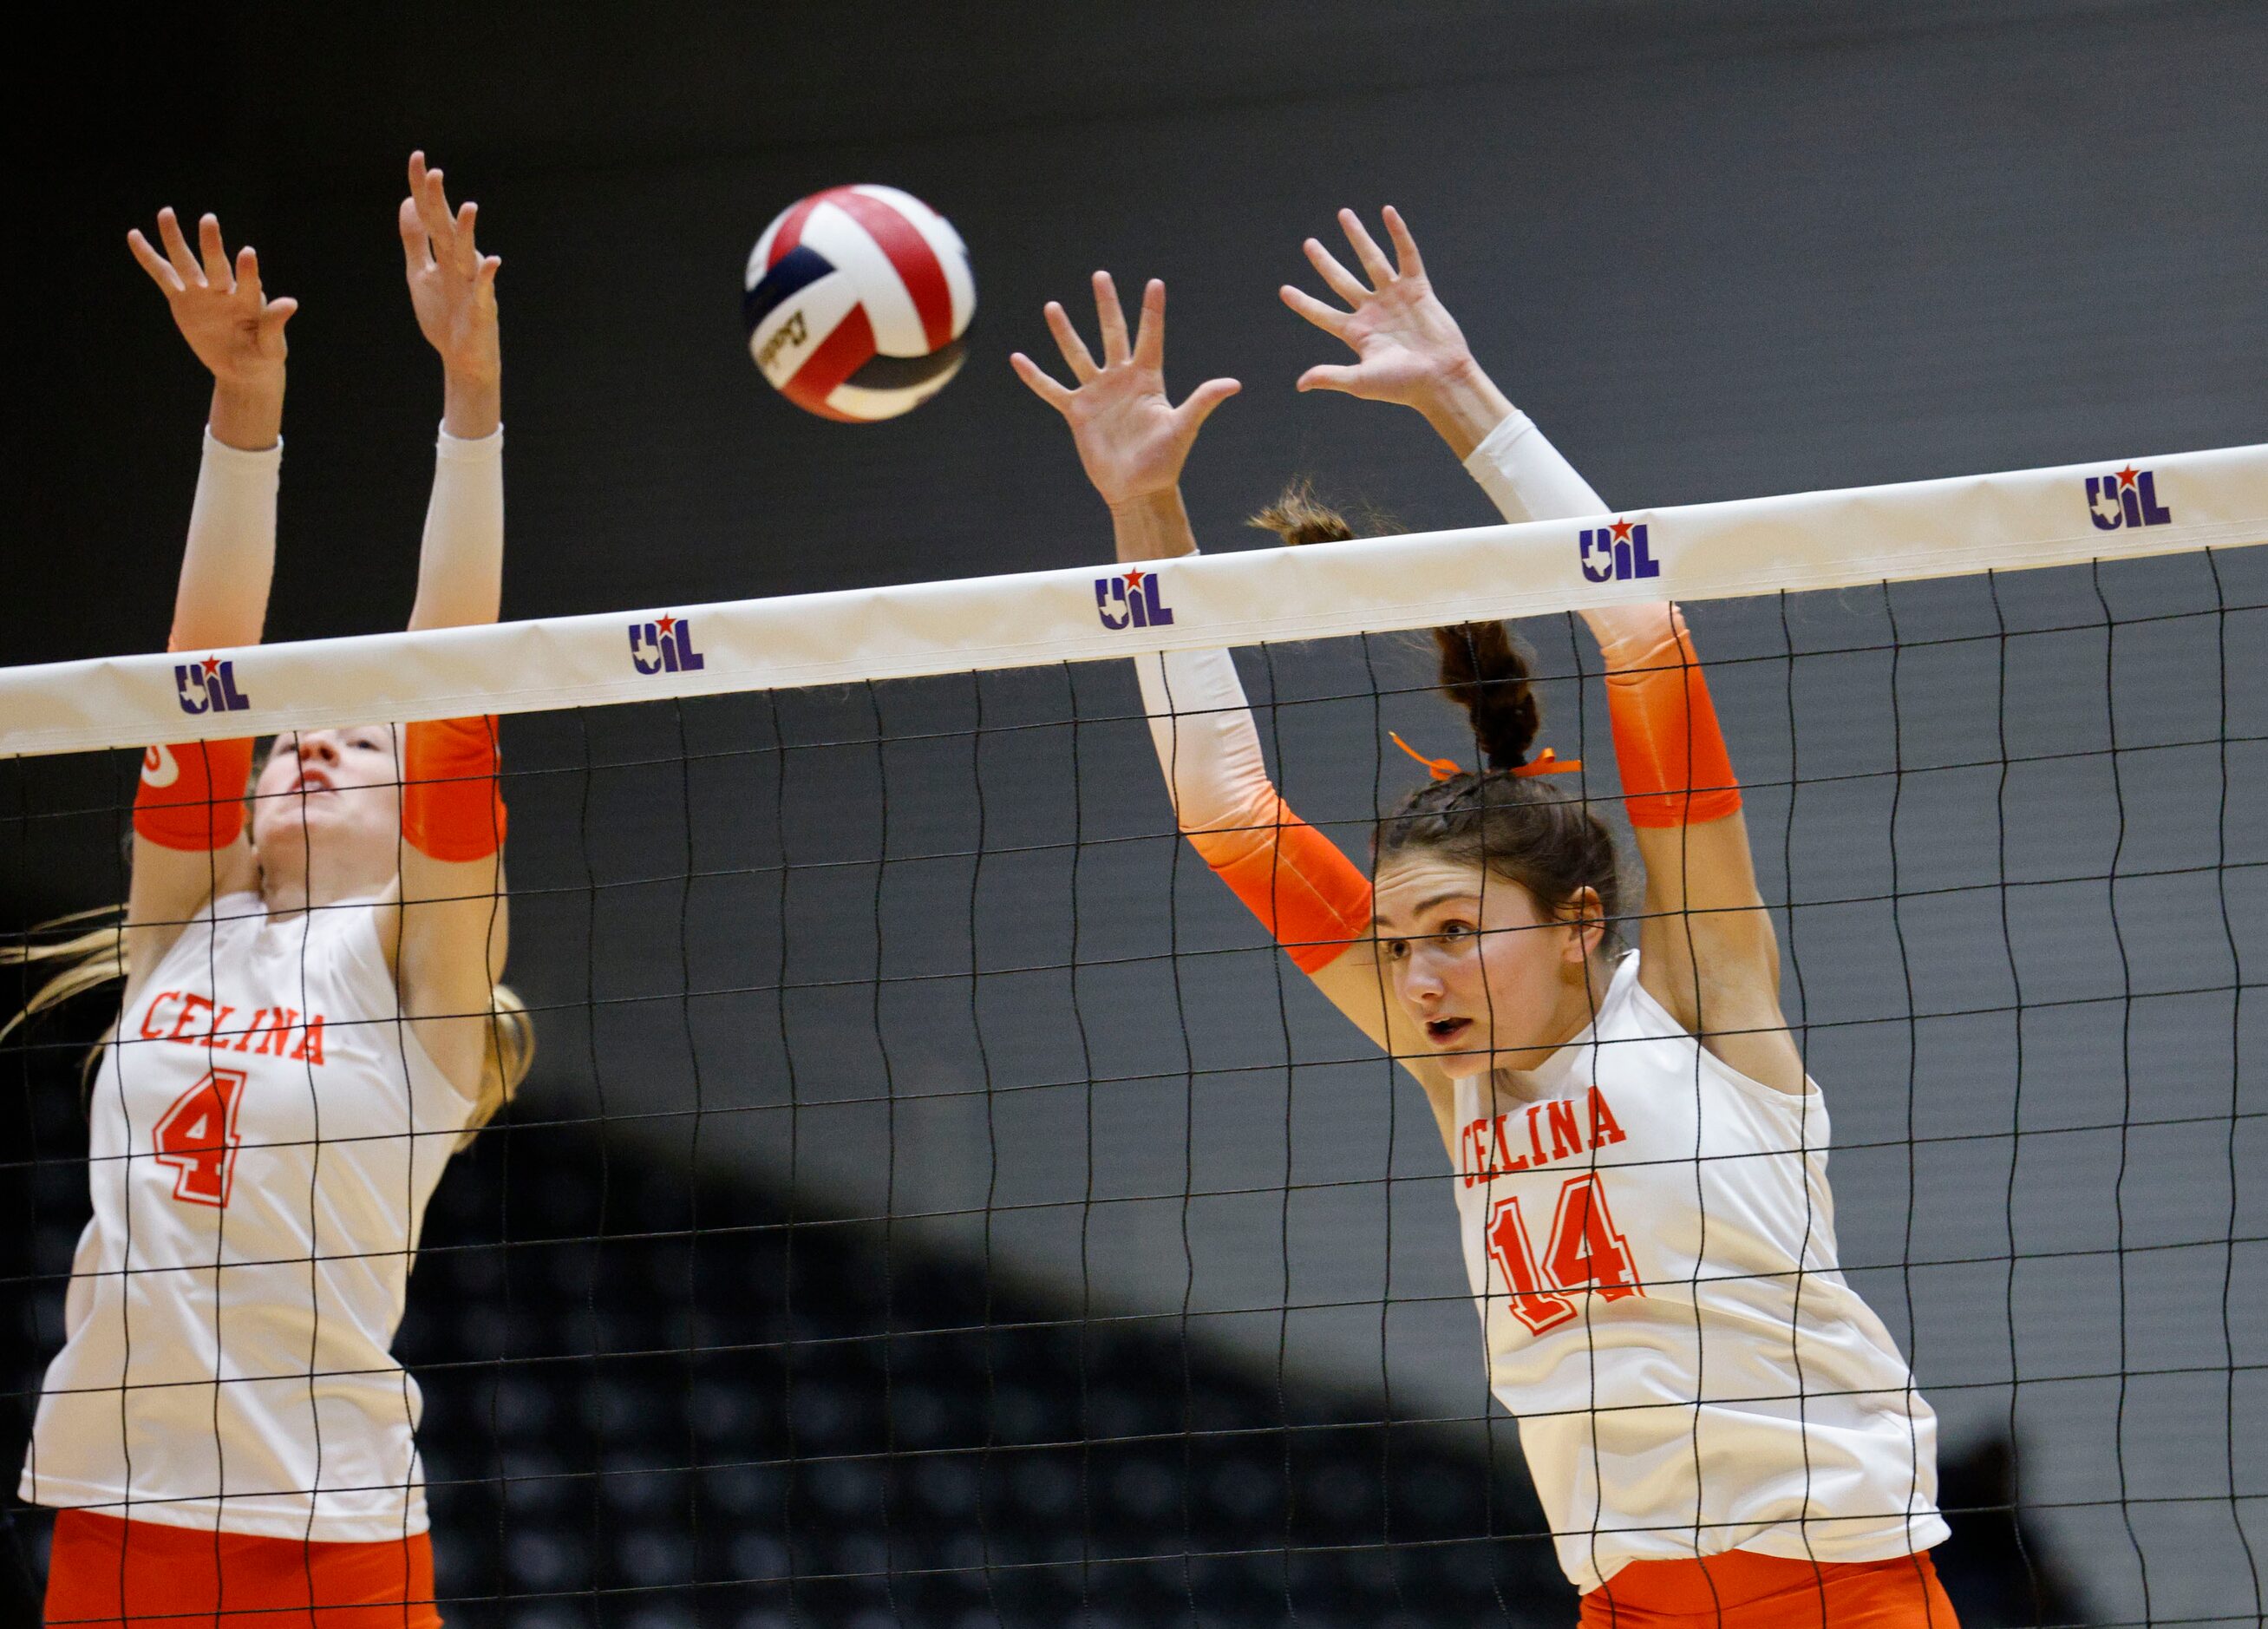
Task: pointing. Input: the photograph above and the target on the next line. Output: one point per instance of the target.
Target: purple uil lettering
(2125, 497)
(1134, 601)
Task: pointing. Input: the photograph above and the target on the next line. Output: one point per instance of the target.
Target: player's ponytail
(86, 950)
(1300, 517)
(1486, 671)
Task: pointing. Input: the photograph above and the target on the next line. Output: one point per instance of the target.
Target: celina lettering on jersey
(665, 645)
(209, 686)
(1616, 553)
(1544, 1134)
(2127, 496)
(1131, 601)
(188, 1019)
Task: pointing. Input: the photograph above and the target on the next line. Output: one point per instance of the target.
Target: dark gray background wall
(1718, 251)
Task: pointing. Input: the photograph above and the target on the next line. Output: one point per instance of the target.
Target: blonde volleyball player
(309, 1027)
(1720, 1430)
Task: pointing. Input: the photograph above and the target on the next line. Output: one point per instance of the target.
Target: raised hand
(453, 289)
(231, 324)
(1408, 348)
(1131, 440)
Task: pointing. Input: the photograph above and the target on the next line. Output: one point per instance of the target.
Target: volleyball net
(937, 1200)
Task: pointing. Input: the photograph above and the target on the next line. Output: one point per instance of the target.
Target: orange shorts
(104, 1572)
(1740, 1589)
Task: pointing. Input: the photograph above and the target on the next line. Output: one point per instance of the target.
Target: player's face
(1489, 978)
(329, 791)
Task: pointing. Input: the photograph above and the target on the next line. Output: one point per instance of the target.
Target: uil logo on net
(2127, 496)
(665, 645)
(209, 686)
(1616, 553)
(1132, 599)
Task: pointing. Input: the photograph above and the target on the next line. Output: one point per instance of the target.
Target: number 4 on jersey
(197, 1137)
(1586, 1252)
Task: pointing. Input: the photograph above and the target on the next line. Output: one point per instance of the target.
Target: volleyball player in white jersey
(309, 1026)
(1720, 1430)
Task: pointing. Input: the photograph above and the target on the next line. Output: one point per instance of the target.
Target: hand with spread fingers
(452, 288)
(230, 322)
(1131, 440)
(1408, 348)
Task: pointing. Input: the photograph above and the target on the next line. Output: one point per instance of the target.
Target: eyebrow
(1426, 904)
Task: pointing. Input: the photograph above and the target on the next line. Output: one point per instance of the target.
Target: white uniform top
(264, 1135)
(1651, 1244)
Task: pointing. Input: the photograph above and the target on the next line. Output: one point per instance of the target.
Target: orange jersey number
(197, 1137)
(1585, 1252)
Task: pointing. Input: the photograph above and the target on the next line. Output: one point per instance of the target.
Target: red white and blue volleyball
(857, 298)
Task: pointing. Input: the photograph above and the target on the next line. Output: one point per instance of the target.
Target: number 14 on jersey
(1584, 1251)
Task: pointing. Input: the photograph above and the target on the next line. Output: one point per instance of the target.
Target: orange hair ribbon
(1546, 762)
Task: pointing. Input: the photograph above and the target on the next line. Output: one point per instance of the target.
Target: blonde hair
(88, 957)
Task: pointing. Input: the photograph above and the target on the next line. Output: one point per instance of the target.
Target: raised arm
(453, 926)
(1708, 950)
(189, 816)
(453, 289)
(1133, 442)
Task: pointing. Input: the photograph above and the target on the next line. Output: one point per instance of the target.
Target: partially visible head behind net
(1519, 827)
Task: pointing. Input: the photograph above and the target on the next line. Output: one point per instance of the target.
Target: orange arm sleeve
(1675, 770)
(1303, 889)
(452, 807)
(192, 796)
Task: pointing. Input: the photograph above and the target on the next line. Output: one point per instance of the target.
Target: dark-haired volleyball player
(1720, 1430)
(309, 1026)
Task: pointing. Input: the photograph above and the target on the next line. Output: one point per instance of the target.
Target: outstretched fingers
(160, 270)
(1412, 263)
(1335, 277)
(177, 250)
(1192, 414)
(1110, 317)
(1043, 385)
(1076, 356)
(432, 196)
(468, 257)
(247, 275)
(1330, 319)
(416, 248)
(1150, 333)
(212, 255)
(275, 315)
(1365, 249)
(1327, 376)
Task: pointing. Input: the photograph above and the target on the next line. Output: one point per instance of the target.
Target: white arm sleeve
(1207, 744)
(460, 562)
(1526, 478)
(230, 554)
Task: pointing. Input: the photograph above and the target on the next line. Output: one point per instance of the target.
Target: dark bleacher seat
(634, 1419)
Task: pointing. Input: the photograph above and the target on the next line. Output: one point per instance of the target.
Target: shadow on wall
(1996, 1569)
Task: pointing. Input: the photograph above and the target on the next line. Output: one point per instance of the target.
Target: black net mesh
(936, 1201)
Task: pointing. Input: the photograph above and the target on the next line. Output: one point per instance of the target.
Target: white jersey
(264, 1134)
(1652, 1243)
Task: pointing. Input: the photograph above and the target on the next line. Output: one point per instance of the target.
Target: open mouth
(312, 781)
(1443, 1031)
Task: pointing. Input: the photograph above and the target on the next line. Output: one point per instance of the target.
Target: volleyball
(856, 300)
